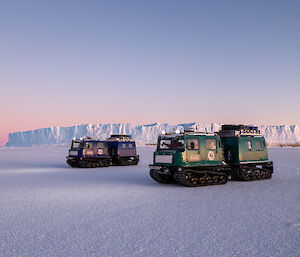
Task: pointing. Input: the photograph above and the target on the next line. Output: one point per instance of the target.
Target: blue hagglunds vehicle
(91, 153)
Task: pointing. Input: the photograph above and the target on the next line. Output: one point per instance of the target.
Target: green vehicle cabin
(189, 158)
(246, 152)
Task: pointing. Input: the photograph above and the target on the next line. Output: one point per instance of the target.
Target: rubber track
(191, 179)
(165, 179)
(73, 164)
(93, 164)
(124, 162)
(242, 174)
(128, 162)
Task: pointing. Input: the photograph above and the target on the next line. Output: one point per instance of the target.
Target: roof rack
(188, 132)
(239, 130)
(123, 138)
(87, 138)
(200, 133)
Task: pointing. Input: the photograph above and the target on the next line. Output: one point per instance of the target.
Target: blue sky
(73, 62)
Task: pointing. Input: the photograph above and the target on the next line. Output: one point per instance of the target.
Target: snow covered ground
(50, 209)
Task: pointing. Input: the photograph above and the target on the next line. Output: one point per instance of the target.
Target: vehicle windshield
(171, 143)
(76, 145)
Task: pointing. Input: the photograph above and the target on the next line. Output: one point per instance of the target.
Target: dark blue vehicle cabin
(88, 153)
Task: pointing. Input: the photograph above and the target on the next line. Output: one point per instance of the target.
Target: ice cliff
(283, 134)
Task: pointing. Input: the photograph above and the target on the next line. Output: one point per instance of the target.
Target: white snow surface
(284, 134)
(50, 209)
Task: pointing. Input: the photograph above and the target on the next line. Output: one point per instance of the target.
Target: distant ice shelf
(281, 134)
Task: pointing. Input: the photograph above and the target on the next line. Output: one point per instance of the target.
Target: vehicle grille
(73, 153)
(166, 158)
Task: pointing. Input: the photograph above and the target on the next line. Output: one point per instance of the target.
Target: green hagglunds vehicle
(199, 158)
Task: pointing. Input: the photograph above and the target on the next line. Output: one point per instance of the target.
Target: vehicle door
(212, 154)
(132, 149)
(123, 149)
(89, 149)
(193, 150)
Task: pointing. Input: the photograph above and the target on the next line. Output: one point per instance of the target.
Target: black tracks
(101, 162)
(93, 164)
(125, 162)
(192, 179)
(73, 163)
(88, 164)
(250, 173)
(161, 178)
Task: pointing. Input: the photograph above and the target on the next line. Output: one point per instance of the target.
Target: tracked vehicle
(245, 152)
(91, 153)
(88, 153)
(122, 149)
(189, 158)
(194, 159)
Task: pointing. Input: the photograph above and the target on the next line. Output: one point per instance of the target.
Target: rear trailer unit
(245, 151)
(122, 149)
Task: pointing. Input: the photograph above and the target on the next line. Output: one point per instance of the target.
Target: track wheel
(245, 175)
(208, 180)
(202, 180)
(258, 175)
(215, 179)
(194, 181)
(223, 180)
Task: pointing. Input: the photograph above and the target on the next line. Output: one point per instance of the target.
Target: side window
(100, 145)
(249, 145)
(89, 145)
(211, 144)
(130, 146)
(193, 144)
(123, 146)
(259, 145)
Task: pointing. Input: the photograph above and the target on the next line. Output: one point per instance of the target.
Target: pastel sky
(74, 62)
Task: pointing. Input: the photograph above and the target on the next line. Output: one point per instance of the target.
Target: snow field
(50, 209)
